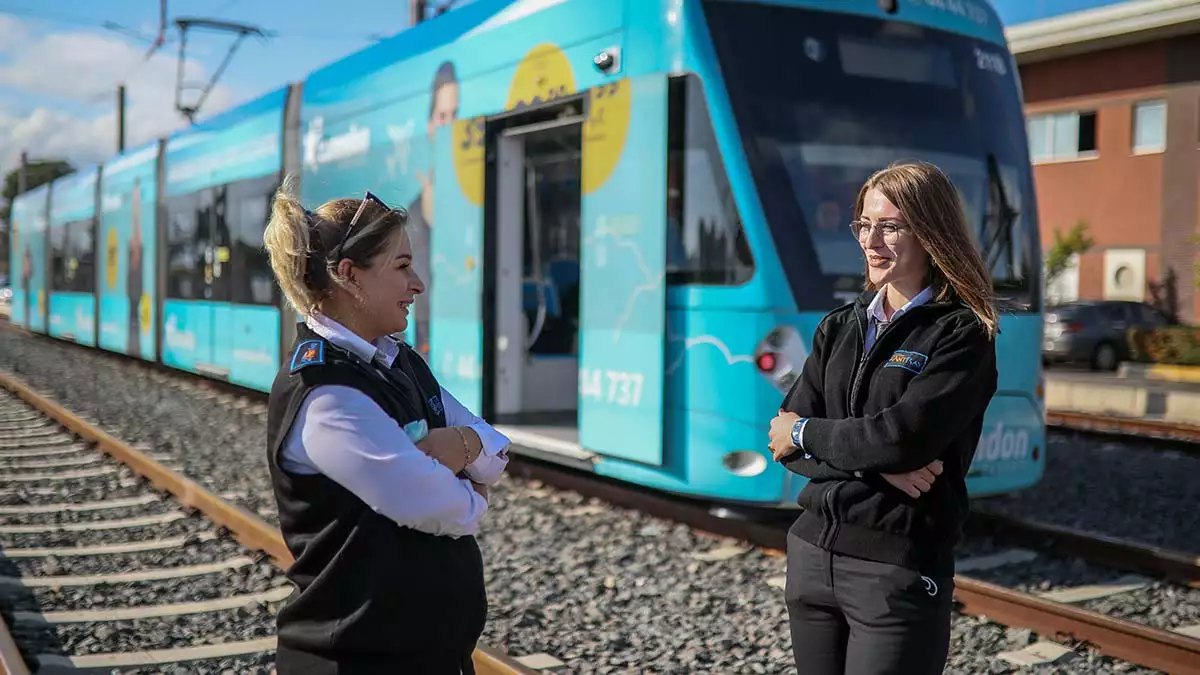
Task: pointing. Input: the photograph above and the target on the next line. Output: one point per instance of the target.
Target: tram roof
(1098, 25)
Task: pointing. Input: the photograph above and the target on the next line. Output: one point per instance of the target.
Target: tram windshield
(824, 99)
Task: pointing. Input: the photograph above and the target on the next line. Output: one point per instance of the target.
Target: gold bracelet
(466, 447)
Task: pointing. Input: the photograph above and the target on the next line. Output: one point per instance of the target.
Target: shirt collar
(875, 309)
(383, 349)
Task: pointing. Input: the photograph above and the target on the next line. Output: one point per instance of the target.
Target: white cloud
(73, 76)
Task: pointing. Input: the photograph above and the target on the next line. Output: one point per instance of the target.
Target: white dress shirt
(876, 319)
(342, 433)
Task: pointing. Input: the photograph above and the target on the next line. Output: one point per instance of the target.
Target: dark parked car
(1094, 332)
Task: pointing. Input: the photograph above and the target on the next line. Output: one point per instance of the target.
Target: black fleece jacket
(918, 395)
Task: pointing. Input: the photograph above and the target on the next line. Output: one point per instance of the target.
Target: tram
(630, 217)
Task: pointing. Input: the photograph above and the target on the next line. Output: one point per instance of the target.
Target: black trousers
(295, 662)
(859, 617)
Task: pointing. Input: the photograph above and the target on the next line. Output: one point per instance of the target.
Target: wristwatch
(796, 429)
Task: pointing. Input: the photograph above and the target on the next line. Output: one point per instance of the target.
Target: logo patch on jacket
(911, 361)
(309, 353)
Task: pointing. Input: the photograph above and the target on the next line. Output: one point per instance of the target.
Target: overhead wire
(127, 33)
(162, 39)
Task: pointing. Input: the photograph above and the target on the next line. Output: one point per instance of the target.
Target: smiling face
(894, 255)
(386, 289)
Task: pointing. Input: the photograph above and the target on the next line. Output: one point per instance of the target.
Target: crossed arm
(486, 453)
(903, 442)
(341, 433)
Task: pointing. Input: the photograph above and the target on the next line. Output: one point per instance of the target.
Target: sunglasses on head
(369, 197)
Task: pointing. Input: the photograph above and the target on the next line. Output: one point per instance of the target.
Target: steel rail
(1144, 645)
(1179, 567)
(11, 661)
(1185, 436)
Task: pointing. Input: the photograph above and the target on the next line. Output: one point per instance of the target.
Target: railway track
(111, 561)
(1182, 437)
(1159, 647)
(1153, 647)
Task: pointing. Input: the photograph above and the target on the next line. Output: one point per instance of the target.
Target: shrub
(1174, 345)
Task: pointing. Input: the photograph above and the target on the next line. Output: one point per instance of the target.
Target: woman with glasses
(379, 473)
(884, 421)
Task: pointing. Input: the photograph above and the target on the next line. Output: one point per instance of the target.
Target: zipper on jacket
(859, 369)
(859, 320)
(833, 524)
(830, 527)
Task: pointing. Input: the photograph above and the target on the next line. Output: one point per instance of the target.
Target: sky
(61, 62)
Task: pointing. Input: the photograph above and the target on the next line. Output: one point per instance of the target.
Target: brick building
(1112, 100)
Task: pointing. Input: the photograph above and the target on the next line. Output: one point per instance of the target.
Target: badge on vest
(435, 404)
(910, 361)
(309, 353)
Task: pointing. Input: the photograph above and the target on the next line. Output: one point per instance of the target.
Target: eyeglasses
(368, 197)
(889, 229)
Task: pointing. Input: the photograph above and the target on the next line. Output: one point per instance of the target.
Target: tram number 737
(624, 389)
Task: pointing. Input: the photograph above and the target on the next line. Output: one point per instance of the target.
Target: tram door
(623, 270)
(536, 383)
(580, 277)
(214, 245)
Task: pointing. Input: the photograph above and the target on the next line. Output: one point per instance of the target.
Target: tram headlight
(744, 463)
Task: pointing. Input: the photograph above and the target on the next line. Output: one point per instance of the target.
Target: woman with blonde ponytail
(379, 473)
(884, 421)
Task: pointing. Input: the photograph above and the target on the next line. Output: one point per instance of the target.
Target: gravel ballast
(84, 512)
(604, 589)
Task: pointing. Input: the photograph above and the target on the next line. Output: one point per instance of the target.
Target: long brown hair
(934, 213)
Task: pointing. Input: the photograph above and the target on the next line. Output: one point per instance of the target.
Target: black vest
(366, 586)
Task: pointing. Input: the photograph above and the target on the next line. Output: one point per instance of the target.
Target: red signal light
(766, 362)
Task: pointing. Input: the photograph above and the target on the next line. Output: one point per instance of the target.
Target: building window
(1125, 274)
(1062, 136)
(1149, 126)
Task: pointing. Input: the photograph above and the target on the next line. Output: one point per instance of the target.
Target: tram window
(58, 258)
(247, 212)
(706, 242)
(185, 257)
(216, 265)
(81, 258)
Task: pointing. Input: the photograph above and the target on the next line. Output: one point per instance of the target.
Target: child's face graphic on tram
(894, 255)
(386, 288)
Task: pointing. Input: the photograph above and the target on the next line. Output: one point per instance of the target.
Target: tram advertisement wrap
(128, 240)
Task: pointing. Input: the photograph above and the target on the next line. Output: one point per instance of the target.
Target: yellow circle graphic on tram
(543, 75)
(110, 258)
(468, 137)
(144, 312)
(604, 131)
(41, 302)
